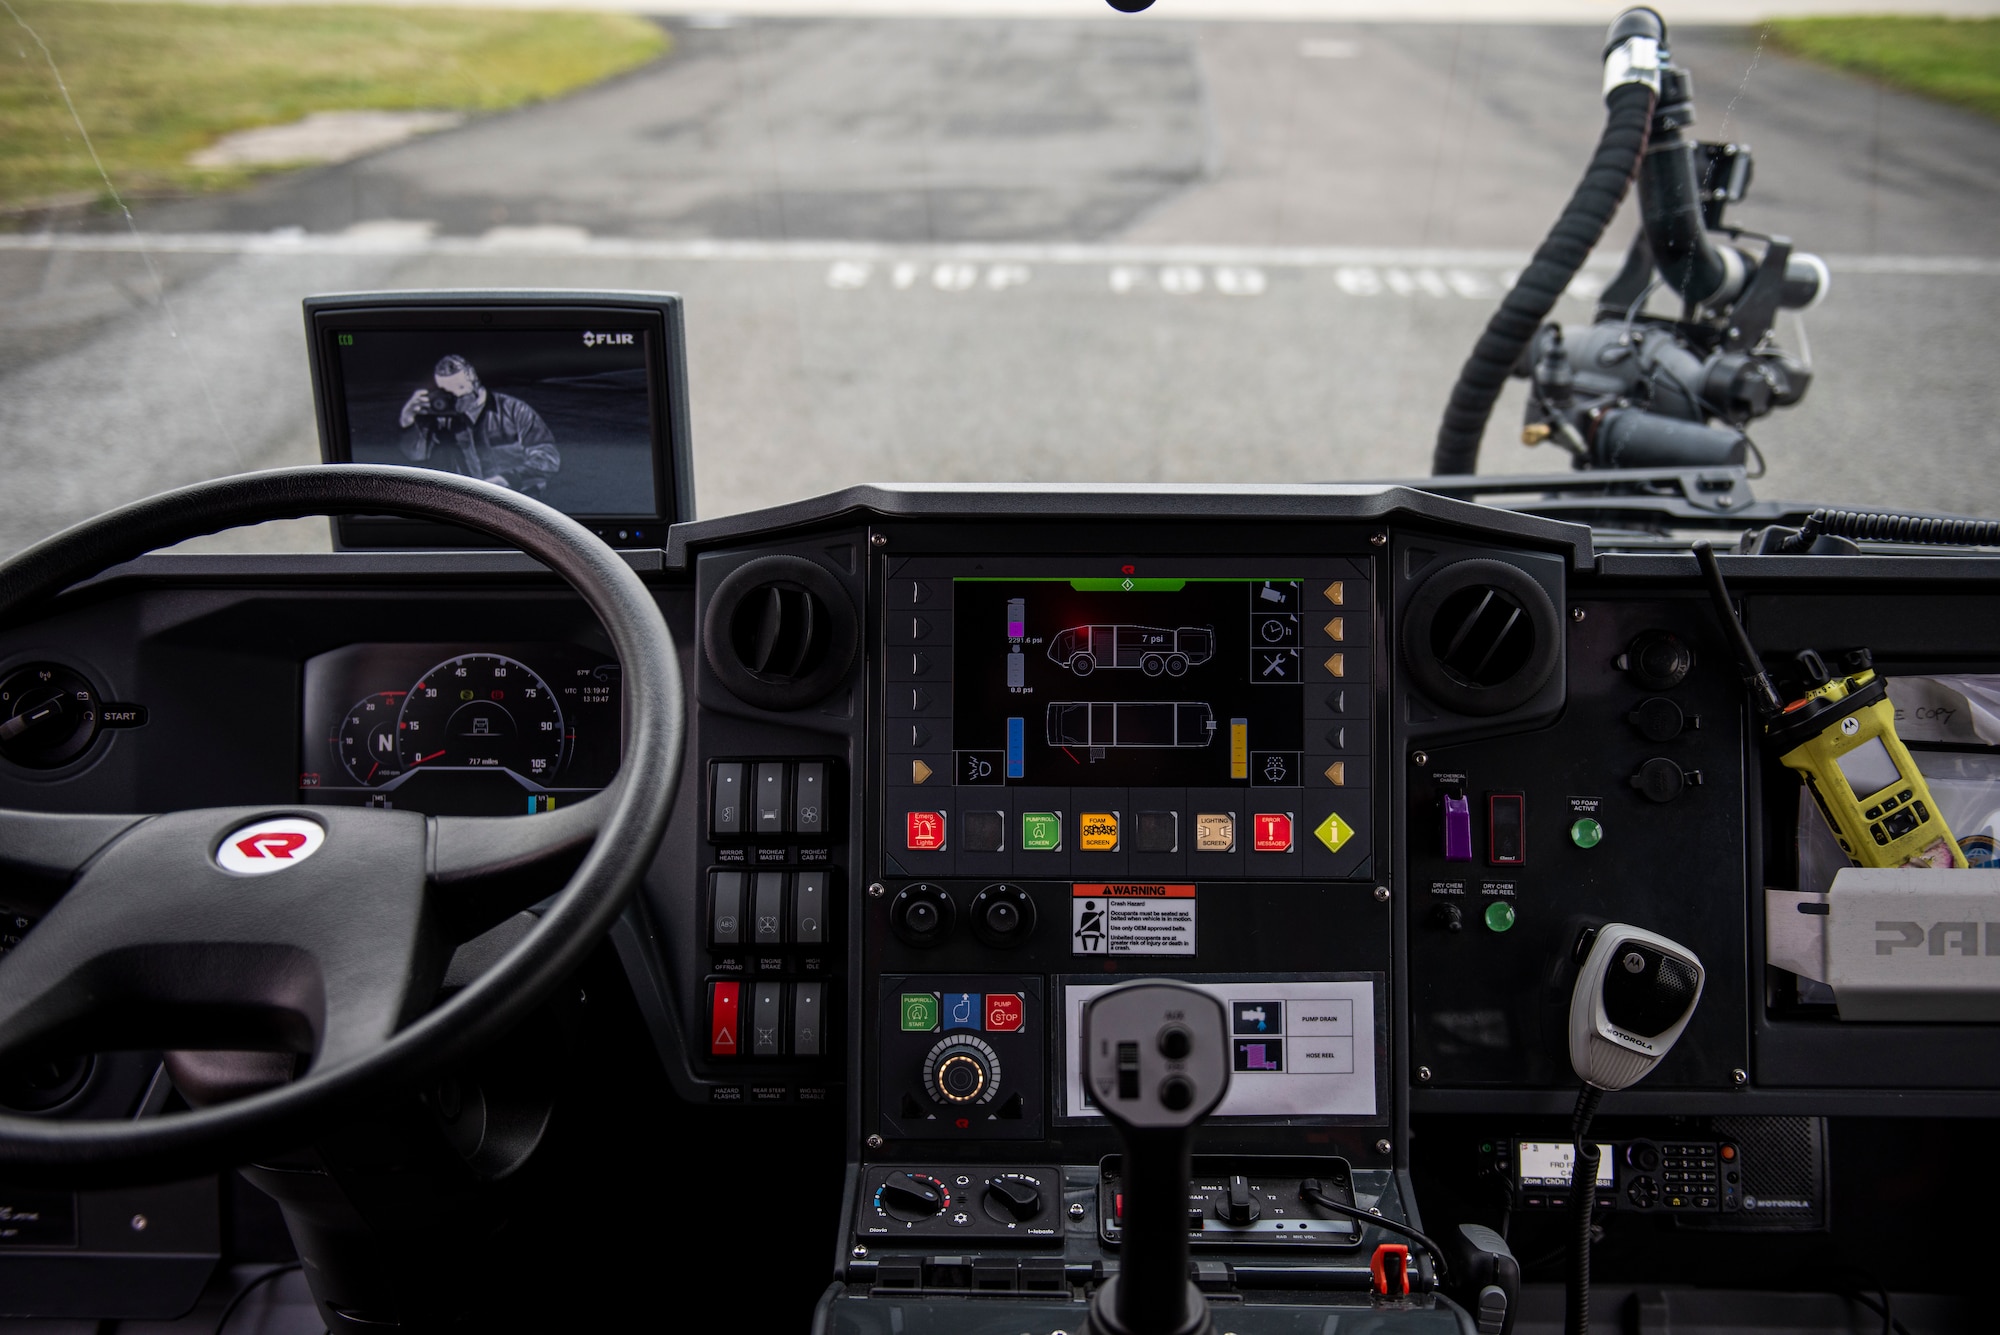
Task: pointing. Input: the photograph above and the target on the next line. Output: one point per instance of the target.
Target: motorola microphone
(1634, 996)
(1156, 1061)
(1633, 999)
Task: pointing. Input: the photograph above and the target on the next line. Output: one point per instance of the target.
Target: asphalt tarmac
(981, 250)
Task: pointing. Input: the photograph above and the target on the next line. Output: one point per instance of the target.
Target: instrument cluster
(451, 729)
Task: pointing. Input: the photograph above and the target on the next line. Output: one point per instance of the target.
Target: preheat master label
(1132, 918)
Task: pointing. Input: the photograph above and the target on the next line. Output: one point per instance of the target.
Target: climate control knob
(911, 1196)
(961, 1071)
(1012, 1199)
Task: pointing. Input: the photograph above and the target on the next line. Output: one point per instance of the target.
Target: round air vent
(1481, 637)
(779, 632)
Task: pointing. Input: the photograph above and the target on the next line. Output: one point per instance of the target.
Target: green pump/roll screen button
(1586, 833)
(1499, 915)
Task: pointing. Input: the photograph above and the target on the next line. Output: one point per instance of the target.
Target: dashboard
(1359, 762)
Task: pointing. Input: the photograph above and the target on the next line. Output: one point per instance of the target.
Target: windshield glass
(1022, 240)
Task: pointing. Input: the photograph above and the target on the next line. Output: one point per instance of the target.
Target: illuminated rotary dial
(365, 739)
(482, 711)
(962, 1071)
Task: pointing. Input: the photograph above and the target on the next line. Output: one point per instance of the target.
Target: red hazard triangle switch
(722, 1022)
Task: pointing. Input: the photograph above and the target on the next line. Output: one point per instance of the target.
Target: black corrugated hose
(1869, 526)
(1582, 1200)
(1627, 122)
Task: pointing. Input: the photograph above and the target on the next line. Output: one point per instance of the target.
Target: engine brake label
(1132, 918)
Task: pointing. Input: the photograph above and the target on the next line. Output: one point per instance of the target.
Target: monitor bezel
(527, 309)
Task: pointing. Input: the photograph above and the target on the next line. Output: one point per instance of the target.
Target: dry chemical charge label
(1132, 918)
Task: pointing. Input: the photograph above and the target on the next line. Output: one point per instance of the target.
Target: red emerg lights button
(1271, 832)
(926, 830)
(722, 1019)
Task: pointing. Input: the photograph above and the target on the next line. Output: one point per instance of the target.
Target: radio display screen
(1123, 681)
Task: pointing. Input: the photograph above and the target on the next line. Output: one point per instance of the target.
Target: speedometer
(482, 712)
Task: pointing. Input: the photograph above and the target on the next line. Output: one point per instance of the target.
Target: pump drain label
(1132, 918)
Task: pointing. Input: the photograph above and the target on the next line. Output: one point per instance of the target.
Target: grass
(154, 83)
(1953, 60)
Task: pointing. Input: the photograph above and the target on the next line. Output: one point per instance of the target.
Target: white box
(1895, 943)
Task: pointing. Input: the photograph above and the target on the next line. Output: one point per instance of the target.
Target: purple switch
(1457, 828)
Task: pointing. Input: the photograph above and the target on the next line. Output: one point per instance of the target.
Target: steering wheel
(158, 943)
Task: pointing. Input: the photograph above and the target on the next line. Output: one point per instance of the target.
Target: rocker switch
(1457, 828)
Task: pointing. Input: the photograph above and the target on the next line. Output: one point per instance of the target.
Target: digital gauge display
(459, 730)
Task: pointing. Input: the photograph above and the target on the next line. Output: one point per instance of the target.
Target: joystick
(1156, 1061)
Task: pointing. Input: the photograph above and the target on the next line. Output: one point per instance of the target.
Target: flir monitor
(578, 399)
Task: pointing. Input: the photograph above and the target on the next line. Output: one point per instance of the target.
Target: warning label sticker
(1132, 919)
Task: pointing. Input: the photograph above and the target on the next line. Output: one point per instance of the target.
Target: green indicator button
(1499, 915)
(1586, 833)
(920, 1011)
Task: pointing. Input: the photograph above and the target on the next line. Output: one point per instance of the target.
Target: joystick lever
(1156, 1061)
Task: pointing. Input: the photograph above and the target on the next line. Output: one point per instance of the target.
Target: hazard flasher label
(1132, 918)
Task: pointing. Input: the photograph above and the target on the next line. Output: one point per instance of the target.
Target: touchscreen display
(563, 415)
(1551, 1163)
(1120, 681)
(1869, 768)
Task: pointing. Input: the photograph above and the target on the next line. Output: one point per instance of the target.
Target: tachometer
(482, 711)
(365, 739)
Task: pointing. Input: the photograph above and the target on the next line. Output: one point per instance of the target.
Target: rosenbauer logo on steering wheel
(270, 845)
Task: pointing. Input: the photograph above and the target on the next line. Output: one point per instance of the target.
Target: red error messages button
(1132, 918)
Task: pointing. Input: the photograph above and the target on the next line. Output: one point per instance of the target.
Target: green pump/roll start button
(1499, 915)
(1586, 833)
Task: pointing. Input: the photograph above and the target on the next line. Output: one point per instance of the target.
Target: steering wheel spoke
(228, 927)
(485, 869)
(41, 853)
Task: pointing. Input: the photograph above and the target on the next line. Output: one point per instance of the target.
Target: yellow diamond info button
(1333, 831)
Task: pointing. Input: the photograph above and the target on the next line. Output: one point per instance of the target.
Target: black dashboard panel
(880, 905)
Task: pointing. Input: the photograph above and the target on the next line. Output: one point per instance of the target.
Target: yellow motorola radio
(1841, 738)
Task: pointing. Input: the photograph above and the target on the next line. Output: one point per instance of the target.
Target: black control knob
(1003, 915)
(962, 1071)
(1239, 1205)
(1012, 1199)
(1176, 1042)
(1661, 780)
(1657, 659)
(922, 915)
(1448, 916)
(909, 1196)
(48, 715)
(1658, 719)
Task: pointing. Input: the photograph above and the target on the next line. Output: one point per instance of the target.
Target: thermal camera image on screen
(562, 415)
(1167, 681)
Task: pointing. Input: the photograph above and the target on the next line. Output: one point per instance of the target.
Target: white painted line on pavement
(401, 237)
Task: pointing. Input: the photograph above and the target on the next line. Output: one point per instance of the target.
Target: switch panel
(1249, 1201)
(809, 908)
(1506, 829)
(727, 799)
(1457, 828)
(725, 917)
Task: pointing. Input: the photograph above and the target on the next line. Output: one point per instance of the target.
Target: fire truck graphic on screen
(1176, 723)
(1151, 649)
